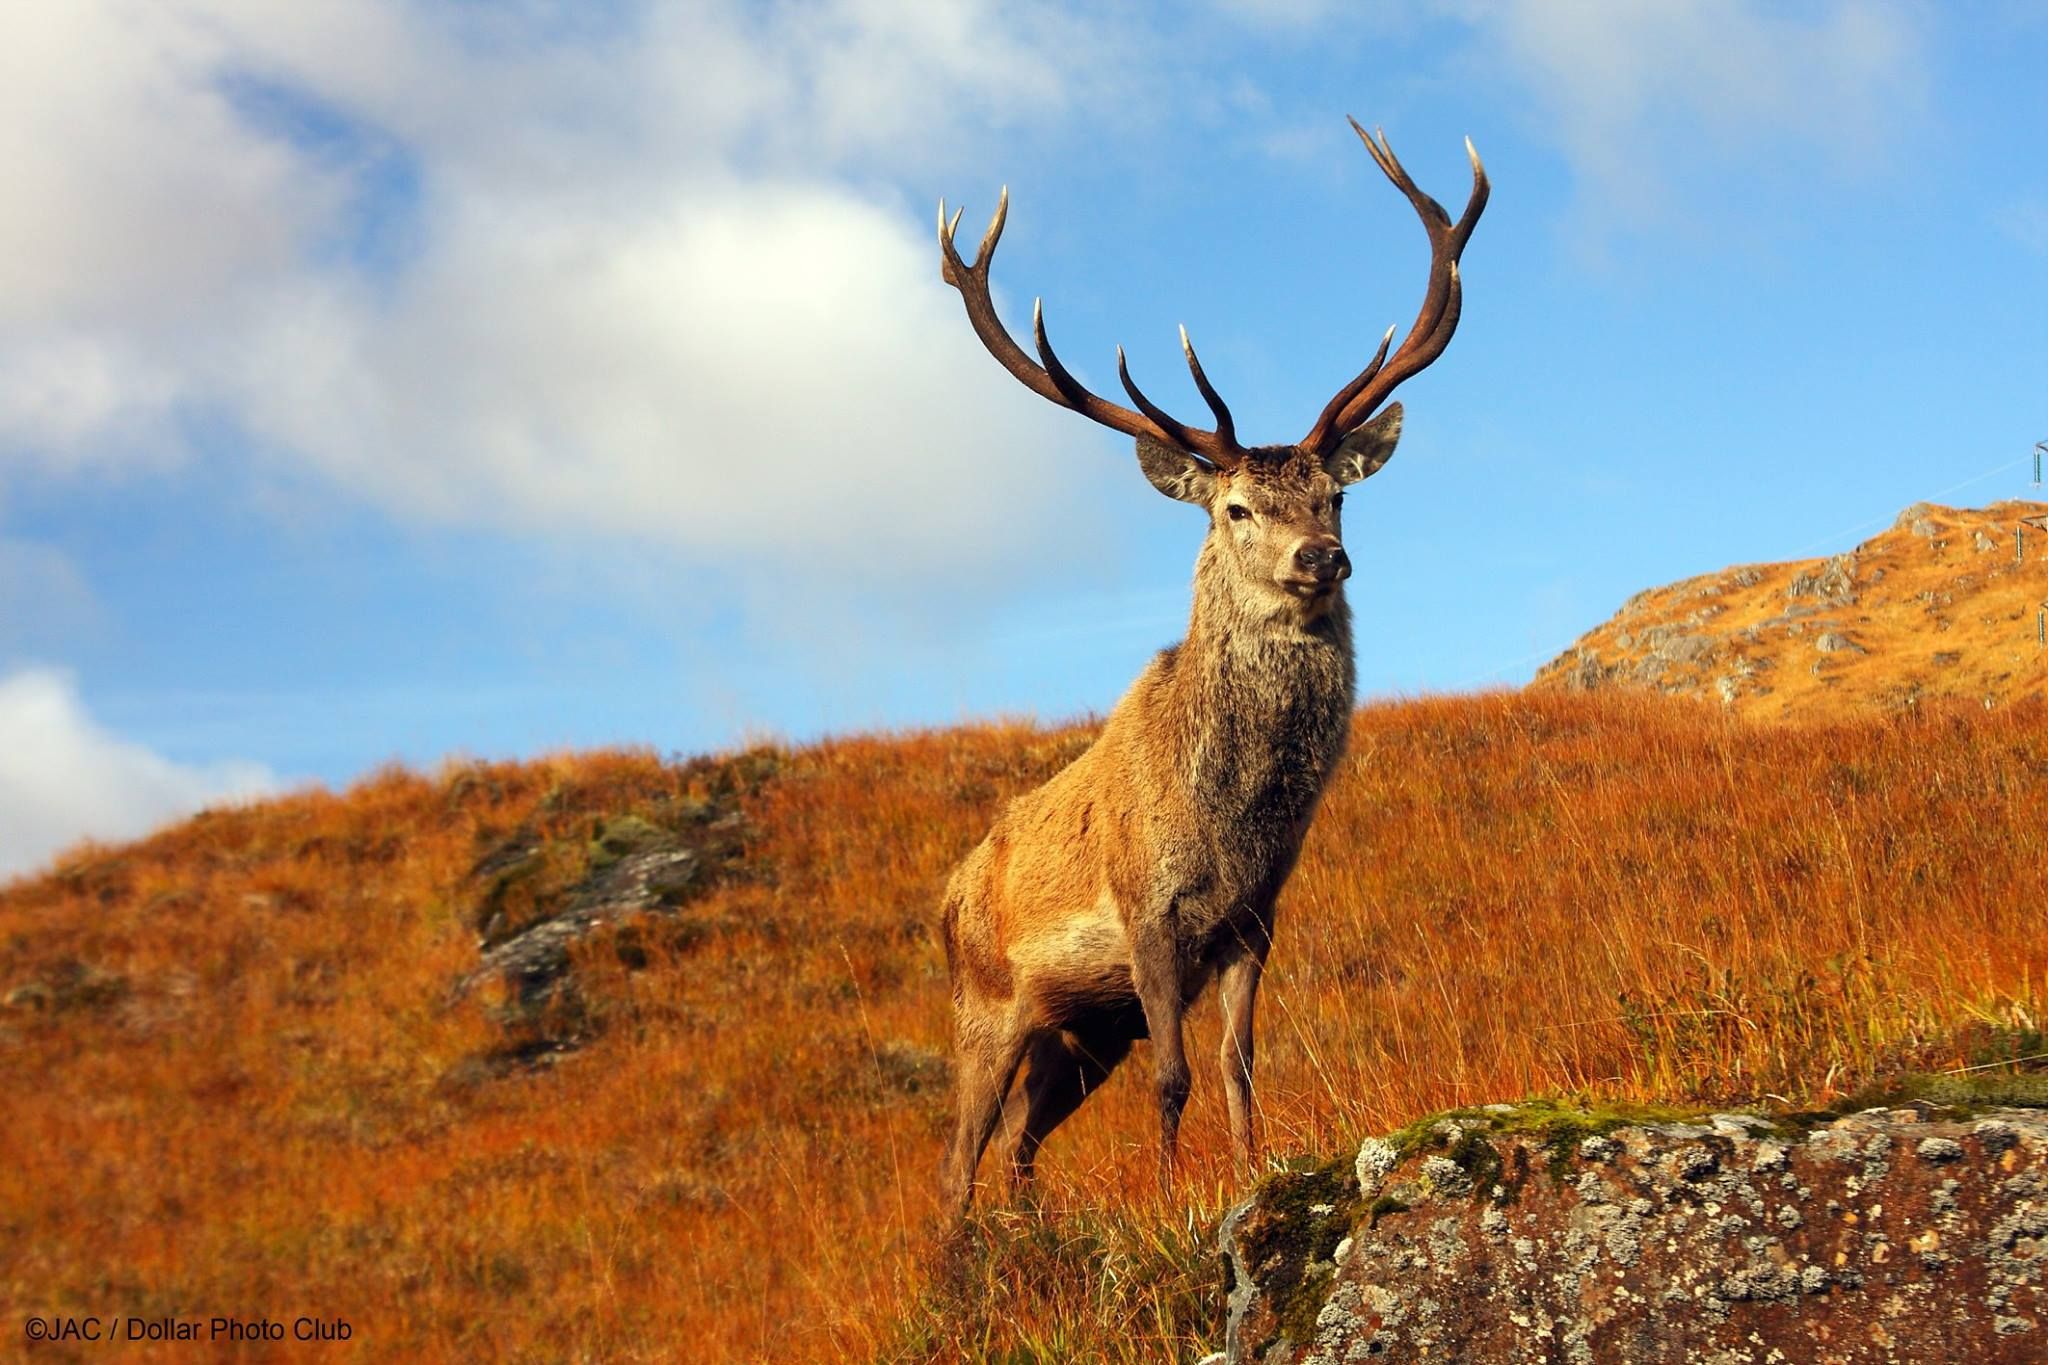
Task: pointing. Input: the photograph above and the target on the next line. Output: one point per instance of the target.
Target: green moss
(615, 838)
(1289, 1237)
(518, 874)
(1383, 1206)
(1479, 1159)
(1961, 1096)
(1557, 1125)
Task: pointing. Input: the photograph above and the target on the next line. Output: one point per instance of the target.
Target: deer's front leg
(1237, 985)
(1156, 972)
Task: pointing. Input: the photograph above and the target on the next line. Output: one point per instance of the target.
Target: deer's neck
(1265, 705)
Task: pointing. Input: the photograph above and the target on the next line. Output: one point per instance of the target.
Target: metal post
(2040, 449)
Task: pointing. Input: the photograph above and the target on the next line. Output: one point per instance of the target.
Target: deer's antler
(1050, 379)
(1441, 303)
(1352, 404)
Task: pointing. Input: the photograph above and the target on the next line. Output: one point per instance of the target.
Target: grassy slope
(1945, 610)
(237, 1083)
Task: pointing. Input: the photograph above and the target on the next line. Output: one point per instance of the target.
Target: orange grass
(236, 1082)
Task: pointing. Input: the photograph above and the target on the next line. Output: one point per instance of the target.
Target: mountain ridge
(1944, 603)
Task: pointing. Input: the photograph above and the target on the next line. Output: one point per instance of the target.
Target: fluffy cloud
(63, 777)
(140, 206)
(1632, 91)
(606, 277)
(762, 376)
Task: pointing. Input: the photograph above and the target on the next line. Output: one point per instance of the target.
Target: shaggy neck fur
(1264, 705)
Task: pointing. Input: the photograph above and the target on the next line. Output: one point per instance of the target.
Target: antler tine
(1052, 380)
(1475, 202)
(1326, 423)
(1175, 432)
(1432, 213)
(1169, 429)
(994, 234)
(1442, 302)
(1226, 429)
(1069, 387)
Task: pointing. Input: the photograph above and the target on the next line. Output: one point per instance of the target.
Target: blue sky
(397, 381)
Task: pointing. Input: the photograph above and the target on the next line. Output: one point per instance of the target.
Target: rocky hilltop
(1945, 603)
(1906, 1232)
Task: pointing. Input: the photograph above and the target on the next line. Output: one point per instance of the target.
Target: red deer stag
(1101, 904)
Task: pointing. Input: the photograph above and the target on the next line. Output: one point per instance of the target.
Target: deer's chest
(1261, 766)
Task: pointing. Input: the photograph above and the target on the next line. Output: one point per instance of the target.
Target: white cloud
(648, 294)
(1631, 91)
(751, 372)
(64, 777)
(136, 195)
(140, 210)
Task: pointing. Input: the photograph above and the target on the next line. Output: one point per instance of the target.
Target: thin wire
(1938, 493)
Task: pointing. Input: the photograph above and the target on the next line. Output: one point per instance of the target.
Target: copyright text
(210, 1330)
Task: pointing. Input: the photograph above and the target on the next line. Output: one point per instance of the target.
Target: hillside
(245, 1075)
(1940, 605)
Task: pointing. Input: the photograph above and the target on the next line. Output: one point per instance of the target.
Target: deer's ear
(1360, 454)
(1175, 472)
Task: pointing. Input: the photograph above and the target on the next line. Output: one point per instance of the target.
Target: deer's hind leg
(1066, 1068)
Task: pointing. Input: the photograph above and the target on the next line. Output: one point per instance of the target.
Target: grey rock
(1376, 1157)
(1835, 580)
(1939, 1149)
(1996, 1135)
(1664, 1242)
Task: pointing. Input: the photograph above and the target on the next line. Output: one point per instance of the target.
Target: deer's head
(1273, 510)
(1276, 526)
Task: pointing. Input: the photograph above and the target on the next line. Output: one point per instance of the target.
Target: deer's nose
(1323, 560)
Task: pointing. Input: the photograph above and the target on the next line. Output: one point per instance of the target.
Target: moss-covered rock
(616, 882)
(1915, 1228)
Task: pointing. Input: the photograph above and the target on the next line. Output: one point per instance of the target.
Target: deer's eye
(1238, 511)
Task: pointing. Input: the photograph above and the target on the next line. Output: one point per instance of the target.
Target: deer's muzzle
(1323, 560)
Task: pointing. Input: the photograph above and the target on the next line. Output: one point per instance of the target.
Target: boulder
(1539, 1232)
(1835, 579)
(637, 879)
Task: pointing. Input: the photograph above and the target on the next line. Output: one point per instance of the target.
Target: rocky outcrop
(635, 868)
(535, 900)
(1540, 1233)
(1820, 636)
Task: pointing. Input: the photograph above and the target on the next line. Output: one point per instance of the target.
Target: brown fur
(1102, 904)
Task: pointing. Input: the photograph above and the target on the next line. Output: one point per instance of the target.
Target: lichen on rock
(1547, 1232)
